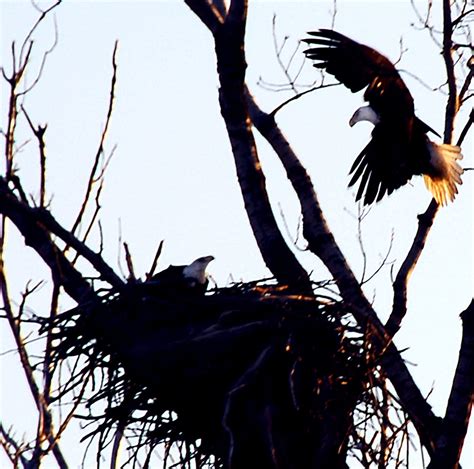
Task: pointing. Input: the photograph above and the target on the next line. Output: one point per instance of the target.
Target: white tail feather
(445, 172)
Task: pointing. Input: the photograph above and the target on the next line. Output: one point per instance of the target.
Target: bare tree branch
(26, 45)
(45, 425)
(155, 260)
(466, 128)
(231, 65)
(221, 7)
(12, 449)
(106, 272)
(322, 243)
(39, 134)
(37, 237)
(300, 95)
(467, 83)
(14, 81)
(455, 423)
(452, 105)
(209, 14)
(129, 261)
(400, 286)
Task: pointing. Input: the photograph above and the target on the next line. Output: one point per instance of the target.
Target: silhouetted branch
(13, 81)
(300, 95)
(237, 14)
(315, 229)
(400, 286)
(37, 237)
(155, 260)
(463, 15)
(209, 14)
(39, 134)
(45, 430)
(231, 65)
(15, 325)
(48, 367)
(221, 7)
(116, 445)
(26, 45)
(467, 83)
(452, 105)
(45, 54)
(129, 261)
(94, 216)
(106, 272)
(12, 449)
(456, 420)
(466, 128)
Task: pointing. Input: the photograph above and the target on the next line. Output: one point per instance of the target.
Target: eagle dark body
(182, 279)
(171, 280)
(399, 147)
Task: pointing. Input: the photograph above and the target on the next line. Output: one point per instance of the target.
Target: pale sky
(172, 175)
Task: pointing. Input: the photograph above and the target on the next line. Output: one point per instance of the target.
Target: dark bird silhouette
(400, 147)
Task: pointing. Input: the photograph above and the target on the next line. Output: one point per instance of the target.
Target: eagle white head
(197, 269)
(364, 113)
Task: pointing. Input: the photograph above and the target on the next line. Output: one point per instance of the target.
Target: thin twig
(466, 129)
(155, 260)
(278, 51)
(300, 95)
(39, 73)
(129, 261)
(39, 134)
(28, 40)
(100, 149)
(467, 84)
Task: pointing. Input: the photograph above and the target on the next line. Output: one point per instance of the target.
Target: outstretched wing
(358, 66)
(379, 167)
(389, 160)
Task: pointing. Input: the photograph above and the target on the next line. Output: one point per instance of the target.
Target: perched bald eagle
(182, 279)
(399, 148)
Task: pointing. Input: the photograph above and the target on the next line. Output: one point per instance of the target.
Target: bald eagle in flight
(399, 148)
(182, 279)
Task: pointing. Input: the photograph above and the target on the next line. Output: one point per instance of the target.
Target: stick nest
(244, 373)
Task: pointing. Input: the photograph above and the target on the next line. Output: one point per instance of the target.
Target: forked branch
(231, 65)
(39, 238)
